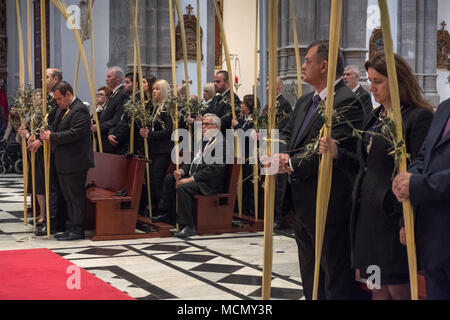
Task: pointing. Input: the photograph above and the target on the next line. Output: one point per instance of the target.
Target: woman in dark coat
(32, 143)
(245, 123)
(159, 134)
(377, 232)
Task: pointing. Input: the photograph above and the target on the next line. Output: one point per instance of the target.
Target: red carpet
(41, 274)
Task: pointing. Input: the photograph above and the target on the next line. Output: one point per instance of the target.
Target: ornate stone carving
(85, 20)
(3, 40)
(443, 48)
(376, 42)
(190, 26)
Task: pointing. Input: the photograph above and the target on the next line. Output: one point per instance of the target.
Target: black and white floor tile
(219, 267)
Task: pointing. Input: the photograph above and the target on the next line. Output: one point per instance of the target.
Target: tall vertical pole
(263, 53)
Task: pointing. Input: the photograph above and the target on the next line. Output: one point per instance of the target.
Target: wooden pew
(215, 213)
(113, 216)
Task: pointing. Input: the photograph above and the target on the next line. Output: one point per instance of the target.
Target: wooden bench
(113, 216)
(215, 213)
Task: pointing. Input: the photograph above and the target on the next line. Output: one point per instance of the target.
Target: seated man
(202, 176)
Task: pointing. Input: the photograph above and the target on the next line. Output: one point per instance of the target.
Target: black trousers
(57, 204)
(280, 209)
(185, 194)
(158, 170)
(248, 201)
(107, 147)
(73, 188)
(336, 278)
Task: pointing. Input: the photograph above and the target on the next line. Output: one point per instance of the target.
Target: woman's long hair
(164, 90)
(410, 92)
(150, 81)
(249, 101)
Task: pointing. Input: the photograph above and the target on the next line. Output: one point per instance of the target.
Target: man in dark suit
(201, 176)
(119, 135)
(427, 185)
(351, 79)
(337, 278)
(284, 112)
(53, 77)
(113, 110)
(71, 140)
(221, 105)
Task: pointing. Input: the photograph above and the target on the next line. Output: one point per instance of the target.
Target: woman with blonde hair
(158, 133)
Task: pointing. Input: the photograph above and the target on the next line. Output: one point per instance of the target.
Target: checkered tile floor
(221, 267)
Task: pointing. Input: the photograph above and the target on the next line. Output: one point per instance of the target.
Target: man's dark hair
(323, 46)
(57, 74)
(224, 73)
(63, 87)
(129, 75)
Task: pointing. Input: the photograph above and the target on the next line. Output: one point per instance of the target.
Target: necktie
(311, 111)
(447, 128)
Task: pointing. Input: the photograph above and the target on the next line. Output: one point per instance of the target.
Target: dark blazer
(284, 111)
(379, 226)
(430, 192)
(221, 107)
(160, 133)
(365, 99)
(210, 176)
(122, 132)
(245, 126)
(305, 175)
(111, 116)
(52, 108)
(71, 139)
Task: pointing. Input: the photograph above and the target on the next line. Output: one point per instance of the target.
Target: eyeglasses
(207, 124)
(100, 95)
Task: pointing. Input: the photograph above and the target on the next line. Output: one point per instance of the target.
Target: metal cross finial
(189, 9)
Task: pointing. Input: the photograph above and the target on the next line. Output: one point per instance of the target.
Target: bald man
(53, 76)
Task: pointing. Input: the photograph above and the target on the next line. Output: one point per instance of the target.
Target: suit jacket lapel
(439, 140)
(300, 117)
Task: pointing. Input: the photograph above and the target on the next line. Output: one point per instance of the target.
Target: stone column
(3, 41)
(353, 41)
(119, 38)
(163, 68)
(211, 38)
(417, 21)
(154, 36)
(313, 23)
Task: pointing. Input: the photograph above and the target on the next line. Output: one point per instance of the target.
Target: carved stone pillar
(313, 23)
(119, 37)
(353, 42)
(154, 36)
(3, 41)
(37, 41)
(417, 21)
